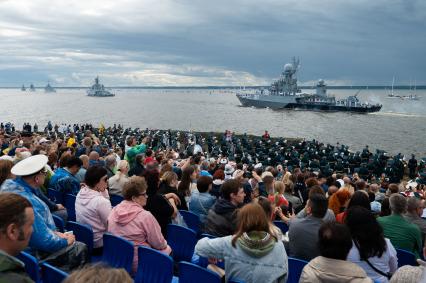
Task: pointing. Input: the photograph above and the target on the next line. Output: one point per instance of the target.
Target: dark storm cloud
(207, 43)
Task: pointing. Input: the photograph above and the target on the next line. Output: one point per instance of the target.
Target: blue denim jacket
(43, 237)
(200, 203)
(271, 268)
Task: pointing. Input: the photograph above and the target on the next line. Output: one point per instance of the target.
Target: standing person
(412, 166)
(370, 249)
(253, 253)
(133, 150)
(16, 220)
(92, 205)
(334, 241)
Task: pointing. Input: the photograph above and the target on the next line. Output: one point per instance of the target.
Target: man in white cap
(31, 174)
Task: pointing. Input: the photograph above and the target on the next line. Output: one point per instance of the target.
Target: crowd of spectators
(347, 213)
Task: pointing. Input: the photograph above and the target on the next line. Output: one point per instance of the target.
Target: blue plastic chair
(192, 220)
(182, 241)
(69, 203)
(283, 227)
(115, 199)
(295, 267)
(82, 233)
(55, 196)
(203, 261)
(51, 274)
(191, 273)
(59, 223)
(118, 252)
(153, 266)
(405, 258)
(31, 266)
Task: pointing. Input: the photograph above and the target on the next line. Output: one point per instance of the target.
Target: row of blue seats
(183, 240)
(153, 266)
(191, 219)
(68, 200)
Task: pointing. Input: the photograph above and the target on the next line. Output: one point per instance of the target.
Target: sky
(211, 43)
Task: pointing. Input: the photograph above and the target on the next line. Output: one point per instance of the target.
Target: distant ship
(23, 88)
(98, 90)
(285, 94)
(49, 88)
(412, 95)
(32, 88)
(392, 94)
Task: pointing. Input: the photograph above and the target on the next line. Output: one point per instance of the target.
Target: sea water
(399, 127)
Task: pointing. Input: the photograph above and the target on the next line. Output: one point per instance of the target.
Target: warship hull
(290, 102)
(266, 101)
(335, 108)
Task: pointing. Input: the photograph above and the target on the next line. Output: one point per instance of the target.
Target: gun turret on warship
(285, 94)
(98, 90)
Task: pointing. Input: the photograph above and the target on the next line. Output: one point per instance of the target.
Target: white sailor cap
(30, 165)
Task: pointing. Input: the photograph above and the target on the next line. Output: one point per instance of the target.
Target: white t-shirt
(388, 262)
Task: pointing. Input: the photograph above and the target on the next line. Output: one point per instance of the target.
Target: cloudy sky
(221, 42)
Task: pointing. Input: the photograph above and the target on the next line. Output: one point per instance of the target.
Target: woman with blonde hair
(117, 182)
(253, 253)
(286, 178)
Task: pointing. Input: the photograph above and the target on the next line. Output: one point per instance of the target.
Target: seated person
(92, 205)
(45, 240)
(64, 179)
(16, 220)
(202, 201)
(303, 232)
(131, 221)
(403, 234)
(334, 243)
(222, 216)
(254, 253)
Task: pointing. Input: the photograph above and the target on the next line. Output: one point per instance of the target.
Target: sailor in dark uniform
(412, 166)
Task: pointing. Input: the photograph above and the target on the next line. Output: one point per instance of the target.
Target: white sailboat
(412, 95)
(392, 94)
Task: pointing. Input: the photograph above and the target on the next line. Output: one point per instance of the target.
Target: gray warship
(98, 90)
(49, 88)
(285, 94)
